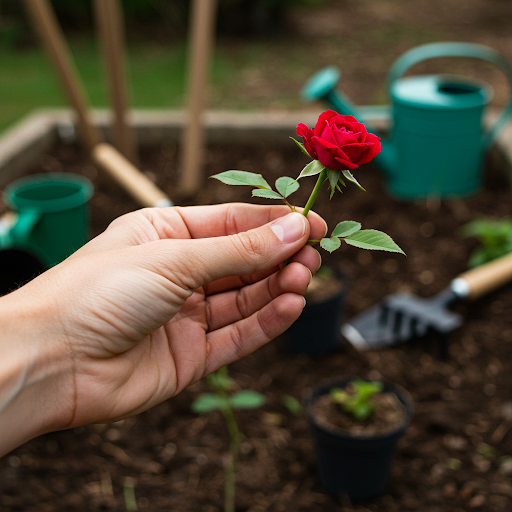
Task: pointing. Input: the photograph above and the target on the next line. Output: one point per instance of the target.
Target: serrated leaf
(242, 178)
(314, 167)
(346, 228)
(330, 244)
(350, 177)
(301, 146)
(247, 399)
(373, 240)
(333, 177)
(208, 402)
(267, 194)
(286, 185)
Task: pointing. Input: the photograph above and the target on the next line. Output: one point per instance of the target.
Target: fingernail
(320, 261)
(289, 228)
(304, 302)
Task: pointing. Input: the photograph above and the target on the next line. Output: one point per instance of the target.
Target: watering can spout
(322, 86)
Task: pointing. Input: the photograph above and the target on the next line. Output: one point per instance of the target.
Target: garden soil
(456, 454)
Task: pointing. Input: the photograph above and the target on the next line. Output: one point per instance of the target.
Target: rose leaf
(346, 228)
(314, 167)
(286, 185)
(242, 178)
(267, 194)
(330, 244)
(373, 240)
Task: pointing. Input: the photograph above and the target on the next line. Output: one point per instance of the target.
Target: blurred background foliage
(265, 50)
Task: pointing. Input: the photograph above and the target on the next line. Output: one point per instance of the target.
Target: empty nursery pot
(317, 330)
(356, 466)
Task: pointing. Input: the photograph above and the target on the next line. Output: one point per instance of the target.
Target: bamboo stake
(111, 31)
(115, 164)
(47, 26)
(200, 42)
(128, 176)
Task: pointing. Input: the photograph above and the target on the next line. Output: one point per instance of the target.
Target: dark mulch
(176, 459)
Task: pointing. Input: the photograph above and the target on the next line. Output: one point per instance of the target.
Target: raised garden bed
(455, 455)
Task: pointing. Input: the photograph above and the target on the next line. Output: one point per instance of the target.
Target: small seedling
(224, 400)
(338, 144)
(355, 399)
(495, 237)
(292, 404)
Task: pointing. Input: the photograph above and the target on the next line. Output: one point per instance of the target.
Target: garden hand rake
(403, 318)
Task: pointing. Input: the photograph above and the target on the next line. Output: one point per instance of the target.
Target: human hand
(159, 300)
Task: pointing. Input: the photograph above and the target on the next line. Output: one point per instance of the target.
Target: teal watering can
(437, 138)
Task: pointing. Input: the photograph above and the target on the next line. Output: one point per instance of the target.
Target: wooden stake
(106, 156)
(200, 43)
(111, 30)
(48, 28)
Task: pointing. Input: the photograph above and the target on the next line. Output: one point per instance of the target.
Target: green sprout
(355, 399)
(495, 237)
(224, 400)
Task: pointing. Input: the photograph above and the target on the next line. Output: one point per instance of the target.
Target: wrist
(36, 378)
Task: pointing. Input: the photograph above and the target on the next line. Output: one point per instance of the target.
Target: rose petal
(371, 152)
(343, 137)
(322, 121)
(323, 142)
(347, 164)
(302, 130)
(355, 151)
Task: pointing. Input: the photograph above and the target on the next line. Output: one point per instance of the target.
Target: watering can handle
(449, 49)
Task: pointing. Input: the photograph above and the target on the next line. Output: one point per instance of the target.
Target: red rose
(339, 142)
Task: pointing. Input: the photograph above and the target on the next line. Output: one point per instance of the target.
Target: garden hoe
(404, 318)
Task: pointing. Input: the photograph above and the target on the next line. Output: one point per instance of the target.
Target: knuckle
(242, 303)
(237, 340)
(250, 244)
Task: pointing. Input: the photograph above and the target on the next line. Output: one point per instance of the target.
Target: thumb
(207, 259)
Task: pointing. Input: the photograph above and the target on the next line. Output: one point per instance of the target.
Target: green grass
(156, 77)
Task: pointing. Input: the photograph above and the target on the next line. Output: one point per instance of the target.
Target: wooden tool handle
(488, 277)
(139, 186)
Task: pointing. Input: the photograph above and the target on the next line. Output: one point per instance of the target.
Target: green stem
(312, 198)
(234, 447)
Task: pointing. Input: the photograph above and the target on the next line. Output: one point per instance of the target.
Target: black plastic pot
(355, 466)
(17, 267)
(317, 330)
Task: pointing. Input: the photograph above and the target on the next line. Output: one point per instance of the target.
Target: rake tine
(385, 312)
